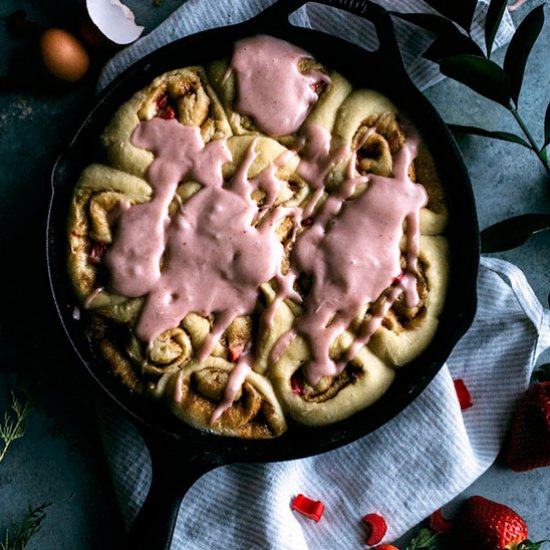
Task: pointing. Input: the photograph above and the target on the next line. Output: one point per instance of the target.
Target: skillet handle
(381, 19)
(173, 475)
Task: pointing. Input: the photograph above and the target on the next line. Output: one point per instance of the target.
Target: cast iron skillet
(181, 454)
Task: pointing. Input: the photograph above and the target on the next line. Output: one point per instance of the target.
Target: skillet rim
(296, 442)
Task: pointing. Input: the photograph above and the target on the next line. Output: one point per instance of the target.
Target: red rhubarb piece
(168, 113)
(376, 528)
(297, 384)
(96, 252)
(312, 509)
(235, 352)
(464, 397)
(439, 524)
(162, 101)
(397, 279)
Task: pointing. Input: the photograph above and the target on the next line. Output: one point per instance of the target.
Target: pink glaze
(237, 376)
(212, 255)
(271, 89)
(134, 258)
(352, 250)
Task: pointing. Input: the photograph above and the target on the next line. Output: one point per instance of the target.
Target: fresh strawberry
(528, 443)
(438, 524)
(486, 525)
(386, 547)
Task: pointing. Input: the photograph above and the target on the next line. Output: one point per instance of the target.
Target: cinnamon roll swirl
(184, 95)
(195, 393)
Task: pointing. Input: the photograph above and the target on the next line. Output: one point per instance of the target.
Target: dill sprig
(19, 534)
(14, 426)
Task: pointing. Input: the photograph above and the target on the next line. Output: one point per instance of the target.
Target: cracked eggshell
(115, 20)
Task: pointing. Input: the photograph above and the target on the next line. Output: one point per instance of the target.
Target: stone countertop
(60, 458)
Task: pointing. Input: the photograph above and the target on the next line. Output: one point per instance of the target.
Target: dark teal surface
(60, 458)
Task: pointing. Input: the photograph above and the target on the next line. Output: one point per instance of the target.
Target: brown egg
(63, 55)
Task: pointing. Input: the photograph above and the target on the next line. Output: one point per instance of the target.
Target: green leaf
(461, 12)
(542, 374)
(547, 127)
(520, 47)
(451, 44)
(429, 21)
(513, 232)
(495, 11)
(503, 136)
(481, 75)
(426, 539)
(529, 545)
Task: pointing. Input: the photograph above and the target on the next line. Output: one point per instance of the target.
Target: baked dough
(263, 346)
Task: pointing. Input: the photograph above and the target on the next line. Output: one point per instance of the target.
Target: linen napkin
(417, 462)
(405, 470)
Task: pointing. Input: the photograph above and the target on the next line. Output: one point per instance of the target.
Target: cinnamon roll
(196, 392)
(244, 261)
(309, 84)
(184, 95)
(360, 382)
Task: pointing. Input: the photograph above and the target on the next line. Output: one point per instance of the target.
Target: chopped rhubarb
(318, 87)
(439, 524)
(312, 509)
(96, 252)
(162, 101)
(168, 113)
(297, 384)
(234, 352)
(397, 279)
(464, 397)
(376, 528)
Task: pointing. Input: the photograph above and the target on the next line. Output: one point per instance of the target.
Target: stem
(529, 137)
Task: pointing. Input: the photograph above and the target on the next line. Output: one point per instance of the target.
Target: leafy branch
(14, 426)
(462, 59)
(18, 534)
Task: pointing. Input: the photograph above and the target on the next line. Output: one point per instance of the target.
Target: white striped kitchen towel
(198, 15)
(413, 465)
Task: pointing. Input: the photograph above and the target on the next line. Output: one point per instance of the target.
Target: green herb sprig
(19, 534)
(14, 424)
(462, 59)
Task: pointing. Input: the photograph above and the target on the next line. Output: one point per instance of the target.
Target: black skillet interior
(380, 70)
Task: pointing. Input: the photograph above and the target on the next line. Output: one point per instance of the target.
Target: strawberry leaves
(528, 545)
(425, 540)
